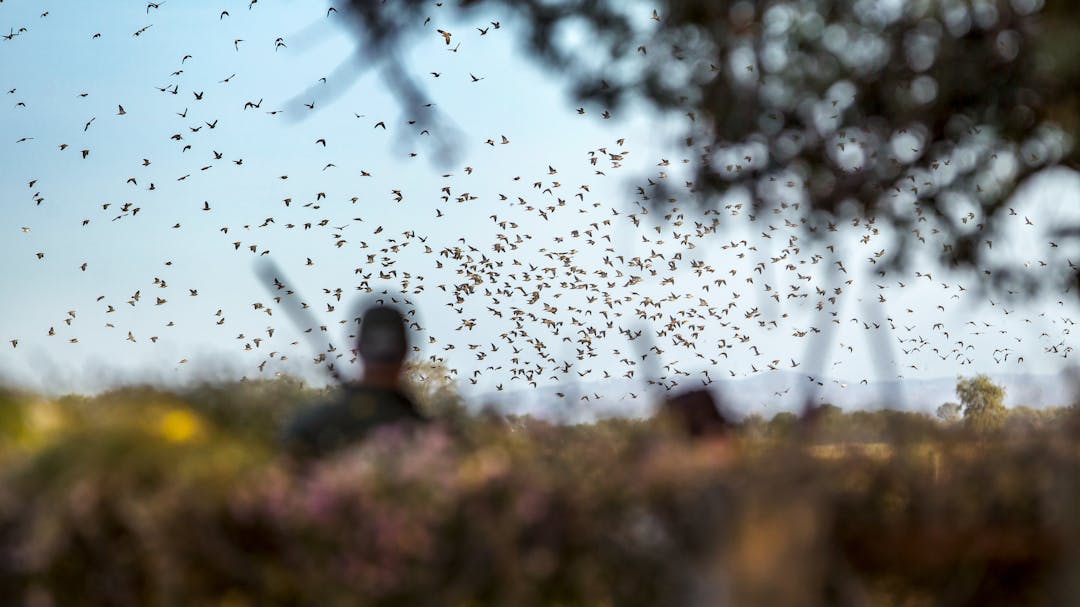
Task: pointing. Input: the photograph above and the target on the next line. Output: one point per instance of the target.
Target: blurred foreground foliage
(142, 496)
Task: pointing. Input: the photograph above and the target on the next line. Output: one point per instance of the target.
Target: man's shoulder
(348, 417)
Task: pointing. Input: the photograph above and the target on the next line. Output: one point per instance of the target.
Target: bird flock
(511, 281)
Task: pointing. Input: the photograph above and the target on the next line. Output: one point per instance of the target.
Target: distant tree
(754, 425)
(829, 411)
(1057, 415)
(867, 426)
(899, 113)
(983, 401)
(432, 386)
(783, 424)
(1024, 419)
(950, 412)
(826, 421)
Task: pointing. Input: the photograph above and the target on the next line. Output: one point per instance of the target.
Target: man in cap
(375, 401)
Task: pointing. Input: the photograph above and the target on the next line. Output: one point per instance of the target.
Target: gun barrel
(273, 278)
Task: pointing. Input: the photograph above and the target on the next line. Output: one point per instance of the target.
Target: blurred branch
(864, 106)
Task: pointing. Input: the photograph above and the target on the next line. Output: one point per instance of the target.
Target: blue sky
(57, 59)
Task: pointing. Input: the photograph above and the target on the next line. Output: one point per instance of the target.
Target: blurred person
(376, 400)
(696, 416)
(695, 420)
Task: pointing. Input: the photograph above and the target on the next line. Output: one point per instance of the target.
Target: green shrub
(148, 497)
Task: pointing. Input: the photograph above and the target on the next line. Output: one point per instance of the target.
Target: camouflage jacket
(329, 426)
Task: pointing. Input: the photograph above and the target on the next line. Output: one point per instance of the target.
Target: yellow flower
(179, 425)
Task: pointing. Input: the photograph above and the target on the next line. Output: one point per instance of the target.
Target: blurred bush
(146, 497)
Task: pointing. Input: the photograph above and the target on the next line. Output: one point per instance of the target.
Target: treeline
(833, 424)
(257, 409)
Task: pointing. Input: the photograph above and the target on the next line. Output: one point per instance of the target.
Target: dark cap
(382, 335)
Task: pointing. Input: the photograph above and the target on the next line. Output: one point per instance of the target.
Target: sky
(369, 206)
